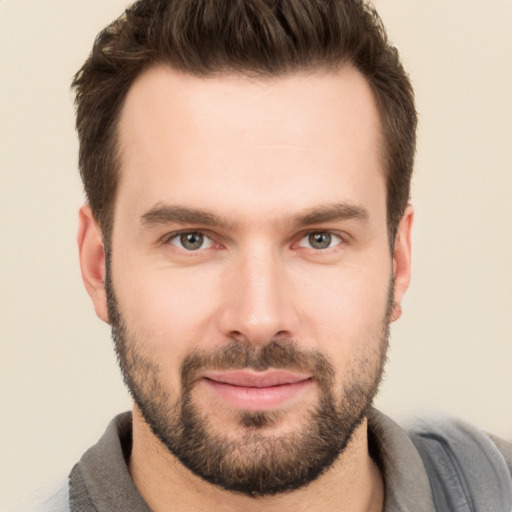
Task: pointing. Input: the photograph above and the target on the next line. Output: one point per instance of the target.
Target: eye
(191, 240)
(320, 240)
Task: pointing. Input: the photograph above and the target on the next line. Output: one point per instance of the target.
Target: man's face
(250, 278)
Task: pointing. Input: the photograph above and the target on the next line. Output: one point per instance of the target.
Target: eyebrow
(330, 213)
(176, 214)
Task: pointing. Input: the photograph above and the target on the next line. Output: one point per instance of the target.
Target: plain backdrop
(452, 349)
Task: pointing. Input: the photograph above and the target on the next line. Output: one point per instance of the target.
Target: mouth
(257, 391)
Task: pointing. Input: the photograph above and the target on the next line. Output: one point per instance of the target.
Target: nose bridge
(259, 306)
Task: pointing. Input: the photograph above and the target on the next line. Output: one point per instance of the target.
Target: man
(247, 237)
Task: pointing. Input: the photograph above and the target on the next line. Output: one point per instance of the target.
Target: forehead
(293, 139)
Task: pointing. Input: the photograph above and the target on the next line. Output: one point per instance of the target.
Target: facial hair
(256, 463)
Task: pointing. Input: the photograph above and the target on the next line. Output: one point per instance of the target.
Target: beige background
(452, 350)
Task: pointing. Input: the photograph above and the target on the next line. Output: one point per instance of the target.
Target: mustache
(277, 354)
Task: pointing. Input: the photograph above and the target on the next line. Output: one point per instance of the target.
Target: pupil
(192, 241)
(320, 240)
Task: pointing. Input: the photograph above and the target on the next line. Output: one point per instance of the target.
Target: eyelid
(343, 238)
(168, 237)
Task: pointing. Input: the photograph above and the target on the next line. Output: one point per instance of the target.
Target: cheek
(170, 309)
(345, 311)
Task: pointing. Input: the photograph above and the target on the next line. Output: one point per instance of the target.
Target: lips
(252, 390)
(265, 379)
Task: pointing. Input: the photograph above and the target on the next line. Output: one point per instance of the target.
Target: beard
(255, 462)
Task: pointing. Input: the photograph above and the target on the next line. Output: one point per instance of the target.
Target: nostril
(238, 336)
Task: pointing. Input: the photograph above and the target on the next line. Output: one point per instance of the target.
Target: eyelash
(167, 239)
(332, 234)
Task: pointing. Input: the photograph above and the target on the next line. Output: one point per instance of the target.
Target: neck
(353, 483)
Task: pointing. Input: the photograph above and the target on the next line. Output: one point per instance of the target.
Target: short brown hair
(262, 37)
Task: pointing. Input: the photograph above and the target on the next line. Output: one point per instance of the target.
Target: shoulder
(464, 440)
(55, 499)
(465, 464)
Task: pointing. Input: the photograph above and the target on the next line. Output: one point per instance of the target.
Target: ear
(92, 260)
(402, 261)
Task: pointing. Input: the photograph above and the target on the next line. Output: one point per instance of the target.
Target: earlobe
(92, 260)
(402, 261)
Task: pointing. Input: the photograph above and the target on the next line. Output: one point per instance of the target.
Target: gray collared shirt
(101, 481)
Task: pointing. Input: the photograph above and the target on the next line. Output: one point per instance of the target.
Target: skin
(259, 154)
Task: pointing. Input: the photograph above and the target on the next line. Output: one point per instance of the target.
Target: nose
(258, 303)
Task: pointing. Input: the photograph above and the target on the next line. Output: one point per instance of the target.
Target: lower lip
(254, 398)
